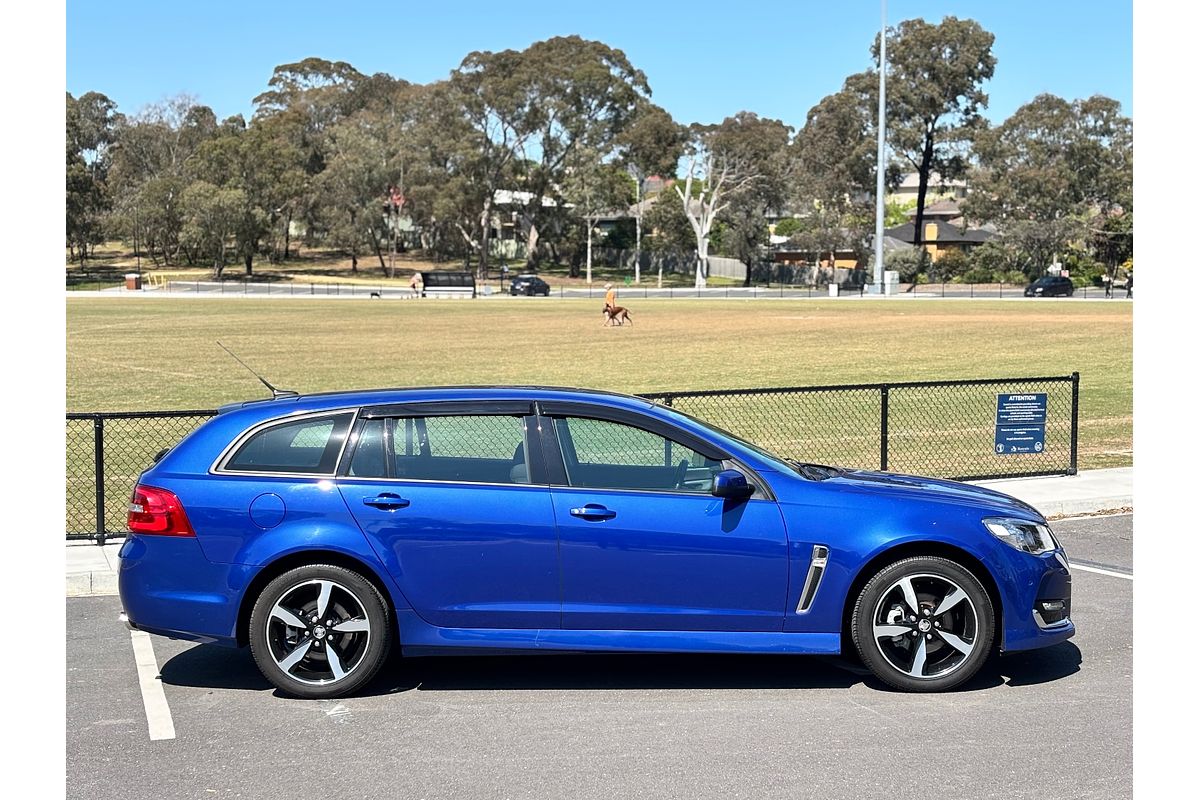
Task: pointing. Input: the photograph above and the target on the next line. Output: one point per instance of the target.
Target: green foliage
(908, 263)
(1049, 170)
(788, 226)
(975, 274)
(896, 213)
(667, 227)
(950, 265)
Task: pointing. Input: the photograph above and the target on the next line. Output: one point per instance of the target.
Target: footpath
(92, 569)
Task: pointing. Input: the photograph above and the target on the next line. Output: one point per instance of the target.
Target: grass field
(149, 354)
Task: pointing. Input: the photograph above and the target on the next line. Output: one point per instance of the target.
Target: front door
(450, 506)
(645, 546)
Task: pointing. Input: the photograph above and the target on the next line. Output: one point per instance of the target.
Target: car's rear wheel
(923, 624)
(320, 631)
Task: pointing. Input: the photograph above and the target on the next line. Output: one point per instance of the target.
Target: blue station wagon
(323, 530)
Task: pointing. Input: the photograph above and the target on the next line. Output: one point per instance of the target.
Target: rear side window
(467, 449)
(308, 446)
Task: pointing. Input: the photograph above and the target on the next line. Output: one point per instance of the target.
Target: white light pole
(879, 169)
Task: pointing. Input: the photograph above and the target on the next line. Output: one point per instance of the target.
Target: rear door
(644, 544)
(456, 510)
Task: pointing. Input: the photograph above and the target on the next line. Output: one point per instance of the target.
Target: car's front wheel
(923, 624)
(320, 631)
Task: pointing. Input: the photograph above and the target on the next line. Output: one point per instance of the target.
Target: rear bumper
(169, 588)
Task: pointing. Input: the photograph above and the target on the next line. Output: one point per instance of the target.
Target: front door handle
(593, 511)
(387, 501)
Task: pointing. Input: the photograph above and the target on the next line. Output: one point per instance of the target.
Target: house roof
(946, 232)
(948, 209)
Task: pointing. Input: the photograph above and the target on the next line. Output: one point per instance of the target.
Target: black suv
(529, 285)
(1050, 286)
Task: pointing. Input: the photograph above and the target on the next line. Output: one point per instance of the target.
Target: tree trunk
(531, 245)
(249, 258)
(922, 189)
(485, 237)
(702, 263)
(378, 250)
(287, 234)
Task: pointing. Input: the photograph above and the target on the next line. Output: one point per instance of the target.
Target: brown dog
(617, 314)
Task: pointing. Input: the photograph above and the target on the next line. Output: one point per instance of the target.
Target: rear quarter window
(308, 446)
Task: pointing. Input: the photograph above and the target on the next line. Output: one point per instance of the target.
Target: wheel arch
(923, 548)
(304, 558)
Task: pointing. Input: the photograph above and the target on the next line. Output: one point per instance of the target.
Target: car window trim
(567, 408)
(556, 471)
(534, 460)
(451, 408)
(218, 467)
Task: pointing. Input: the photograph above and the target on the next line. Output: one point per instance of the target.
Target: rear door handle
(593, 511)
(387, 501)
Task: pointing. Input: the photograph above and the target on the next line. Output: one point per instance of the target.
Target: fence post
(98, 434)
(883, 428)
(1074, 423)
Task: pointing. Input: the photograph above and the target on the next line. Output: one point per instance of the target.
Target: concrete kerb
(92, 570)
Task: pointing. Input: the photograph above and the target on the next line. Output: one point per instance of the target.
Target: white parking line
(1099, 571)
(158, 713)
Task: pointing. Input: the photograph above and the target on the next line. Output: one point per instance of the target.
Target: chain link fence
(943, 429)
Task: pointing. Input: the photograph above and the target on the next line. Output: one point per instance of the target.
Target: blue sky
(704, 61)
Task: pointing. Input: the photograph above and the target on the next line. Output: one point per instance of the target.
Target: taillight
(157, 512)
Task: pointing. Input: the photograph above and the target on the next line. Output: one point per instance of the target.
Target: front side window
(308, 446)
(468, 448)
(600, 454)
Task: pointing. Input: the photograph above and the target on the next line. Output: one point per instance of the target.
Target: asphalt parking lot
(1051, 723)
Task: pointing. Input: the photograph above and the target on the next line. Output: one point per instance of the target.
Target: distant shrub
(907, 262)
(977, 275)
(950, 265)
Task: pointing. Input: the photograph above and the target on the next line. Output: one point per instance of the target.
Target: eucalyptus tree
(149, 169)
(530, 111)
(91, 125)
(1056, 173)
(833, 190)
(743, 160)
(935, 77)
(651, 145)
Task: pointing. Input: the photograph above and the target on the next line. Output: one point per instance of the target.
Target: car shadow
(215, 667)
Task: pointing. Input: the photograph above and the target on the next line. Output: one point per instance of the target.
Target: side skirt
(420, 638)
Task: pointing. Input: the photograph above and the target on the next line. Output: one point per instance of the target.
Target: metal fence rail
(937, 428)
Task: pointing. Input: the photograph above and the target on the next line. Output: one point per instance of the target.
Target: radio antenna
(275, 393)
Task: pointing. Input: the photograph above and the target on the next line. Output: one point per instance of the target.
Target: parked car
(1050, 286)
(324, 530)
(529, 285)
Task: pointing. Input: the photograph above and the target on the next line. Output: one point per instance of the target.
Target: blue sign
(1020, 423)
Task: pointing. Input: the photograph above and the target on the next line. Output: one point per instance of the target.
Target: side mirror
(732, 484)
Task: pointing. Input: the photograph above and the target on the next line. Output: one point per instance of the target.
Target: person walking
(417, 284)
(610, 297)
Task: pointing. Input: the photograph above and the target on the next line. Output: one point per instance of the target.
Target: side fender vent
(816, 571)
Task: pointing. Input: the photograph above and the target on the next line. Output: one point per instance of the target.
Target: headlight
(1022, 534)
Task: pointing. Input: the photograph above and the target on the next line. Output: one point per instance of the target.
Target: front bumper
(1039, 612)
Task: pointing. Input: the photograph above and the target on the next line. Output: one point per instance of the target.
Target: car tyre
(320, 631)
(923, 624)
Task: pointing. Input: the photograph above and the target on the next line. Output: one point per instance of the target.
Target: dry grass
(146, 354)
